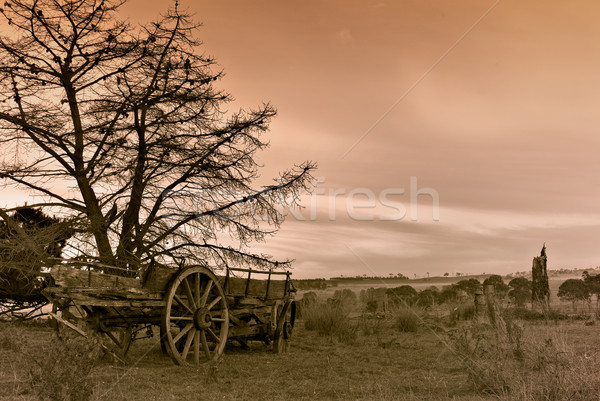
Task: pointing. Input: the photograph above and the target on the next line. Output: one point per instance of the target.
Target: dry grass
(527, 361)
(543, 362)
(331, 321)
(45, 367)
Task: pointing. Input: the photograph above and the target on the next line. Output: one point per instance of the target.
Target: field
(366, 359)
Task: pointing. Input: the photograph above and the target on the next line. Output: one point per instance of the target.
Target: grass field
(400, 357)
(379, 363)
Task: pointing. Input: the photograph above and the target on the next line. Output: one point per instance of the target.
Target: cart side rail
(265, 289)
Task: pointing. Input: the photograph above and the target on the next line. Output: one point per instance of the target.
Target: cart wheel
(195, 319)
(286, 319)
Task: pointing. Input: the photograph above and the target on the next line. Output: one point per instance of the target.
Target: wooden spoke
(187, 328)
(214, 302)
(218, 319)
(197, 347)
(205, 345)
(178, 318)
(188, 343)
(180, 302)
(197, 290)
(212, 333)
(190, 296)
(207, 289)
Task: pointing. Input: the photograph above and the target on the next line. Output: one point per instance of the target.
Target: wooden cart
(196, 310)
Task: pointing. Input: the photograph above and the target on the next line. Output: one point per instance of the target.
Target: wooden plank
(260, 271)
(106, 303)
(244, 331)
(106, 298)
(68, 324)
(66, 276)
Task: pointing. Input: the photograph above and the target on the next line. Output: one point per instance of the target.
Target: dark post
(248, 282)
(268, 284)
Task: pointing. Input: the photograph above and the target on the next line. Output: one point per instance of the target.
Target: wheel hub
(202, 319)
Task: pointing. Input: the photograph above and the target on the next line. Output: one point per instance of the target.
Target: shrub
(406, 320)
(462, 312)
(372, 306)
(329, 320)
(405, 294)
(370, 327)
(345, 299)
(428, 297)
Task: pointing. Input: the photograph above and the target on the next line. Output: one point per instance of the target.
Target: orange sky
(503, 127)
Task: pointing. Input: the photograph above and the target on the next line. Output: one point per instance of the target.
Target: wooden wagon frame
(197, 311)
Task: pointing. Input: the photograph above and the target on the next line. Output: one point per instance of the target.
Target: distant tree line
(518, 290)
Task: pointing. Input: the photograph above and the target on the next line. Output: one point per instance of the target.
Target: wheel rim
(195, 318)
(285, 324)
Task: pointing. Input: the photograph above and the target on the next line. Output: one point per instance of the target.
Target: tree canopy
(520, 290)
(123, 129)
(470, 286)
(496, 281)
(573, 290)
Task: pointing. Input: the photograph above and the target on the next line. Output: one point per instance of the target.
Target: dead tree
(129, 120)
(540, 289)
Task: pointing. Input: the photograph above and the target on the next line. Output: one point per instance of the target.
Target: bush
(405, 294)
(372, 306)
(406, 320)
(329, 320)
(462, 312)
(373, 327)
(345, 299)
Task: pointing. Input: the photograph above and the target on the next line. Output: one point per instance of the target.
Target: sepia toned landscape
(316, 200)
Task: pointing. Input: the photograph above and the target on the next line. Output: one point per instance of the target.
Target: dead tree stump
(540, 289)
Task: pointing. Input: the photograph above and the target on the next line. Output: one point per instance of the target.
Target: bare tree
(128, 122)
